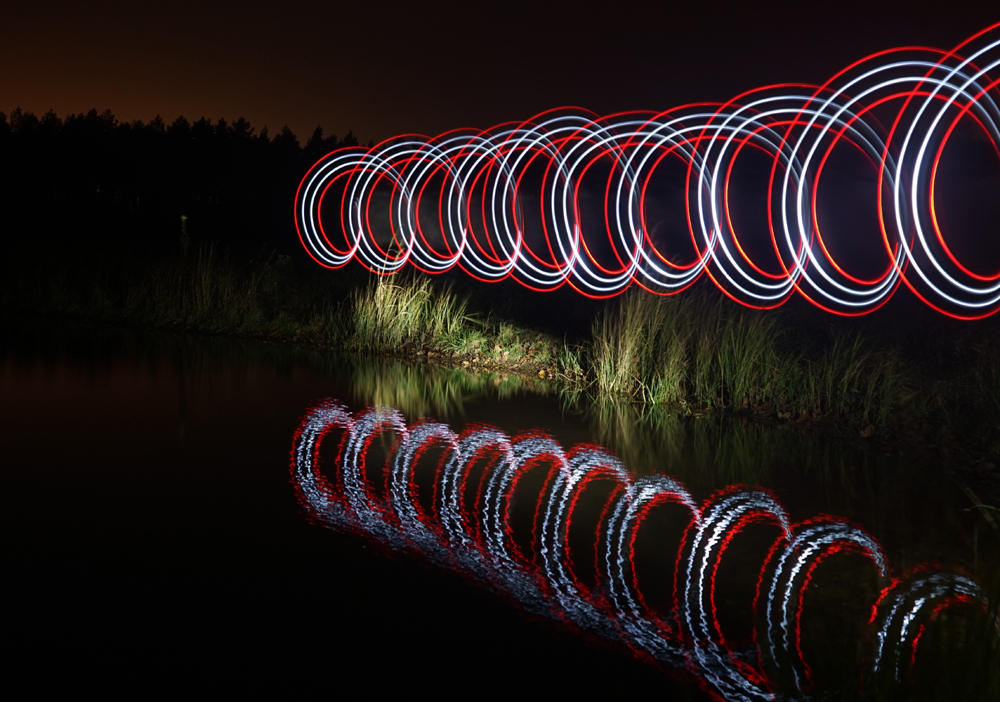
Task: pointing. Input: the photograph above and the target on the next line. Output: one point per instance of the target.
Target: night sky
(382, 68)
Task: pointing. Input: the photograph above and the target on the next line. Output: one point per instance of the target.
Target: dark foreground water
(184, 512)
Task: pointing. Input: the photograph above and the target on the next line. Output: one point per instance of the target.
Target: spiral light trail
(480, 540)
(567, 197)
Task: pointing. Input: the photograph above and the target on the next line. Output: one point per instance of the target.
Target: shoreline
(690, 356)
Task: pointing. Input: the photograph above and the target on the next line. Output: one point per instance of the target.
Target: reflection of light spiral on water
(462, 199)
(479, 542)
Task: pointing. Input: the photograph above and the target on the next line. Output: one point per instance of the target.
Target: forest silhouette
(92, 181)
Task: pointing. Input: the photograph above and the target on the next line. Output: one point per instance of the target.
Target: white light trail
(509, 202)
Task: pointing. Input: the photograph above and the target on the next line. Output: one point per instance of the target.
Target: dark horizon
(382, 69)
(19, 117)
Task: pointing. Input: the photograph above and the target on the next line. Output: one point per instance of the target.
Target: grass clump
(683, 350)
(850, 378)
(206, 291)
(392, 313)
(698, 353)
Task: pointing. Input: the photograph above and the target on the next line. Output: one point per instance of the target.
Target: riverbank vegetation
(81, 182)
(692, 353)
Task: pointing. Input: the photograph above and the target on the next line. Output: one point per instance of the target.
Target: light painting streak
(465, 198)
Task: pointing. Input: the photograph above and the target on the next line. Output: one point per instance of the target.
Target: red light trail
(517, 201)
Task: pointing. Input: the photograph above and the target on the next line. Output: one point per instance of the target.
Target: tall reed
(682, 350)
(850, 378)
(390, 313)
(691, 351)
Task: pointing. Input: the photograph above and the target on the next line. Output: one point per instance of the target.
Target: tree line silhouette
(92, 180)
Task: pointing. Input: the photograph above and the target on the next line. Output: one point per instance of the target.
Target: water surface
(155, 531)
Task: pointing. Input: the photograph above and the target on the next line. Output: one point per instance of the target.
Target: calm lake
(188, 510)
